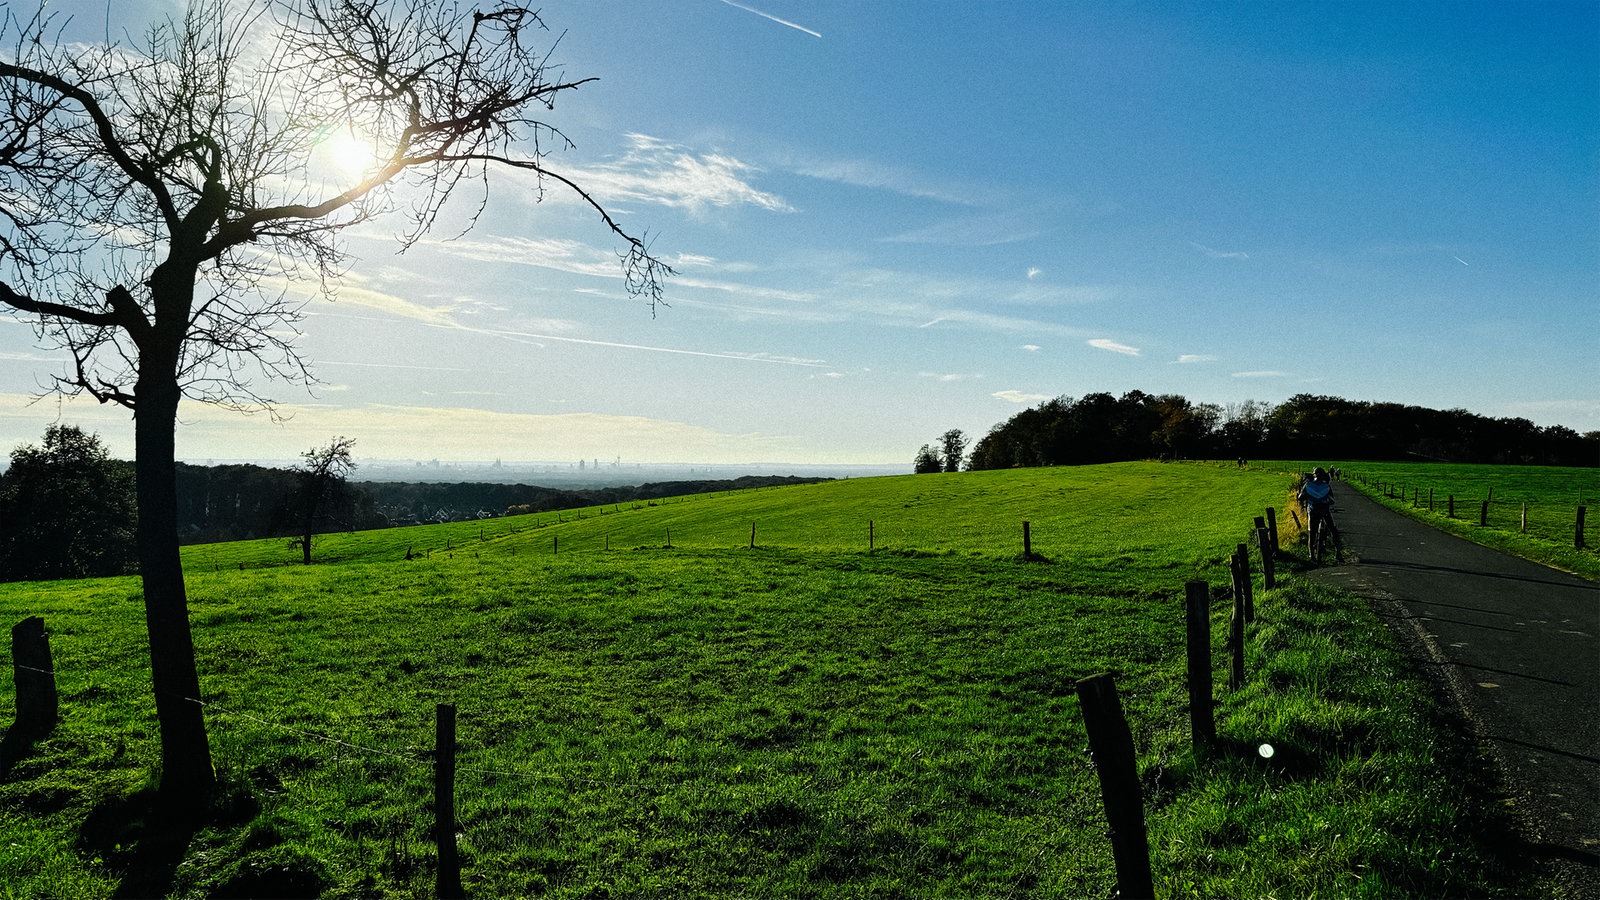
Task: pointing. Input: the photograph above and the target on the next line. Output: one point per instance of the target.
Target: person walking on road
(1316, 498)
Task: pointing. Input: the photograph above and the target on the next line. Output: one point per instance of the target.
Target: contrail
(1460, 260)
(773, 18)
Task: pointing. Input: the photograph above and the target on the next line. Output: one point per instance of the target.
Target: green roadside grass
(1550, 495)
(804, 718)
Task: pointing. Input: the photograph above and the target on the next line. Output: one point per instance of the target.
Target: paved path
(1516, 645)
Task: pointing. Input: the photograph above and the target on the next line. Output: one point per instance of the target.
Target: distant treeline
(236, 502)
(1103, 428)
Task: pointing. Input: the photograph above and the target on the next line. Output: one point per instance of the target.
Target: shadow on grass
(15, 747)
(136, 838)
(139, 838)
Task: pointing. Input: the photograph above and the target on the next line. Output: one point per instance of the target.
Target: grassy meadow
(801, 718)
(1550, 494)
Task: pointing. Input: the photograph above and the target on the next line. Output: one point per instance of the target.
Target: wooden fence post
(1111, 745)
(1430, 499)
(752, 535)
(1524, 517)
(1236, 644)
(1577, 533)
(555, 544)
(1451, 513)
(1027, 541)
(448, 884)
(1241, 561)
(34, 676)
(872, 536)
(1197, 616)
(1483, 517)
(1272, 523)
(1269, 569)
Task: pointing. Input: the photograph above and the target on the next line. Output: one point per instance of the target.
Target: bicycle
(1323, 533)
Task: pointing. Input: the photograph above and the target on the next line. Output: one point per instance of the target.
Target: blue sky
(891, 219)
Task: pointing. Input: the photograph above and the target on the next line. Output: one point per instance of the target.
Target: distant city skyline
(893, 219)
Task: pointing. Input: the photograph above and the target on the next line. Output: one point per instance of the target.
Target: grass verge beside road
(1550, 495)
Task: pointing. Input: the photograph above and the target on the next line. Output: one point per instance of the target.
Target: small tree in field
(157, 200)
(322, 476)
(927, 461)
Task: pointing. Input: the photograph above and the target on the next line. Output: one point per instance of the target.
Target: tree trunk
(187, 778)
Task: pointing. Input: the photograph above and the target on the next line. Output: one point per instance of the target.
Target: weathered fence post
(1236, 644)
(752, 535)
(1241, 562)
(1197, 616)
(1483, 517)
(1577, 533)
(448, 882)
(1451, 509)
(1272, 523)
(1524, 517)
(1269, 578)
(1111, 745)
(555, 544)
(35, 677)
(872, 537)
(1027, 541)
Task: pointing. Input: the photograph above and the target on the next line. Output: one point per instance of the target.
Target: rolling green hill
(802, 718)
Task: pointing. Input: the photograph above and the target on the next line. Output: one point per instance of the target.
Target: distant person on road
(1316, 498)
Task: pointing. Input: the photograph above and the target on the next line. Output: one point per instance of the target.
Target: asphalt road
(1515, 645)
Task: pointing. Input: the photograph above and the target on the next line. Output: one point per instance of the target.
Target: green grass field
(804, 718)
(1550, 495)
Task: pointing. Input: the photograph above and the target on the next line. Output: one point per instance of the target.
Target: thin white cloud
(1032, 348)
(657, 171)
(1034, 272)
(1113, 346)
(1019, 397)
(879, 177)
(1264, 373)
(955, 376)
(767, 15)
(990, 230)
(1219, 254)
(1191, 358)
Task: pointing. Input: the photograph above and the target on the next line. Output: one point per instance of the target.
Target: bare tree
(161, 202)
(322, 475)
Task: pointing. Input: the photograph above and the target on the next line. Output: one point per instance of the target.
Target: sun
(349, 154)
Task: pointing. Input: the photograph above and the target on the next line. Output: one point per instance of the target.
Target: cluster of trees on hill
(68, 510)
(1102, 428)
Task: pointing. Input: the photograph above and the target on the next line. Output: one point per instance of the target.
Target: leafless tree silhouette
(162, 203)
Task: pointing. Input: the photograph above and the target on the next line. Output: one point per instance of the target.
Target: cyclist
(1316, 497)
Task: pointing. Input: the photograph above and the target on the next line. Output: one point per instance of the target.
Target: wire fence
(864, 789)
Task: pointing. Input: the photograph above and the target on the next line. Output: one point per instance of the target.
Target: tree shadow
(139, 838)
(15, 747)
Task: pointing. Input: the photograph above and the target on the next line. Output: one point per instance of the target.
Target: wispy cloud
(1019, 397)
(1034, 272)
(1192, 358)
(1032, 348)
(1219, 254)
(767, 15)
(1264, 373)
(656, 171)
(991, 230)
(872, 175)
(956, 376)
(1113, 346)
